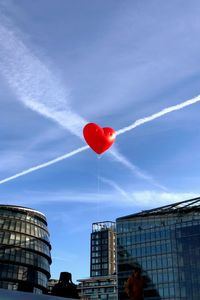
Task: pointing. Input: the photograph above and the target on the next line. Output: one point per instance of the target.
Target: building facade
(102, 254)
(102, 283)
(24, 249)
(102, 287)
(165, 244)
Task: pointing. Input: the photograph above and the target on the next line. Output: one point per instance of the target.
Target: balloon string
(98, 181)
(97, 177)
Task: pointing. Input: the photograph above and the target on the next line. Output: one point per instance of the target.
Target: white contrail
(123, 160)
(37, 88)
(116, 187)
(158, 115)
(121, 131)
(34, 84)
(44, 165)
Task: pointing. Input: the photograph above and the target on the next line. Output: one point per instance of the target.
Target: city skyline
(110, 63)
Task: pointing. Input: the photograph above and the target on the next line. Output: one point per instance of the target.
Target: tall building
(165, 244)
(102, 283)
(24, 249)
(102, 257)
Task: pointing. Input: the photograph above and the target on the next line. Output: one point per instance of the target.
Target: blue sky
(66, 63)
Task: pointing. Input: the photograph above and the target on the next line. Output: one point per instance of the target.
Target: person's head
(137, 272)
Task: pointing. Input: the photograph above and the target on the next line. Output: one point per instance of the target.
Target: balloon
(99, 139)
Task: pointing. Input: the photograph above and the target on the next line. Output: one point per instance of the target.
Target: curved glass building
(24, 249)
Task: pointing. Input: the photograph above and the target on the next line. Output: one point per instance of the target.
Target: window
(104, 266)
(104, 259)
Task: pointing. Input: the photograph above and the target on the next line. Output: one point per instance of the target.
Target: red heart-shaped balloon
(99, 139)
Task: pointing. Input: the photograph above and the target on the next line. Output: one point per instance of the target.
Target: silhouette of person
(65, 287)
(135, 285)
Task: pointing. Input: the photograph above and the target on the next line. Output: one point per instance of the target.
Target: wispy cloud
(139, 173)
(37, 88)
(113, 184)
(150, 199)
(34, 83)
(116, 197)
(63, 196)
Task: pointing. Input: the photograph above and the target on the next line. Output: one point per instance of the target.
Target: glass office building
(165, 244)
(24, 249)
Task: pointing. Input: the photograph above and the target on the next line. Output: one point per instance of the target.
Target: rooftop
(100, 226)
(23, 209)
(98, 278)
(178, 207)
